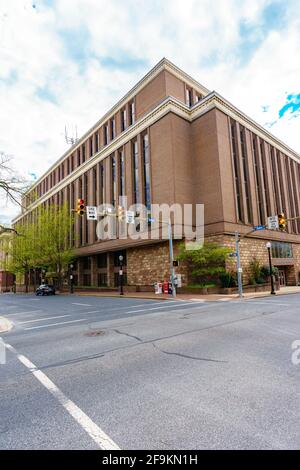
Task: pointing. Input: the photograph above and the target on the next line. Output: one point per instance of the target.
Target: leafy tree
(23, 252)
(43, 243)
(54, 226)
(207, 263)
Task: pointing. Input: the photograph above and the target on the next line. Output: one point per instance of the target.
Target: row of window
(105, 183)
(192, 97)
(282, 186)
(101, 138)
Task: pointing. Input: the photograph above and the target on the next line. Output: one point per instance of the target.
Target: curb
(5, 325)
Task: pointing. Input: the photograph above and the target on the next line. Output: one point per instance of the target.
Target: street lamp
(121, 274)
(269, 245)
(71, 279)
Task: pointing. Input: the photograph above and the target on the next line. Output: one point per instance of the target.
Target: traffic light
(175, 263)
(121, 213)
(281, 221)
(80, 207)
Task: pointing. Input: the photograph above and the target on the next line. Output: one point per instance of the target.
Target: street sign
(151, 219)
(240, 270)
(232, 255)
(130, 217)
(91, 212)
(273, 222)
(259, 227)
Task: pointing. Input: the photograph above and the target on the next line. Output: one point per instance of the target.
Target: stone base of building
(145, 265)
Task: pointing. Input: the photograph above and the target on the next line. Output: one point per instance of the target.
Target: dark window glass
(258, 181)
(113, 182)
(83, 153)
(236, 171)
(121, 173)
(146, 164)
(105, 131)
(102, 279)
(123, 120)
(135, 157)
(131, 113)
(102, 260)
(282, 250)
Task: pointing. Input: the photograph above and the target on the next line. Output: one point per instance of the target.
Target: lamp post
(269, 245)
(71, 279)
(121, 274)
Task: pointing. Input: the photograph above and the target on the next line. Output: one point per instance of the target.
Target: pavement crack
(186, 356)
(127, 334)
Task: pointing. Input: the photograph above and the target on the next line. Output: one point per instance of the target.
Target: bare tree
(12, 186)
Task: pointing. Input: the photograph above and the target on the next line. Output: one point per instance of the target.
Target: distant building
(168, 140)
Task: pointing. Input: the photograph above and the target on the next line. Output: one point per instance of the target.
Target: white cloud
(67, 50)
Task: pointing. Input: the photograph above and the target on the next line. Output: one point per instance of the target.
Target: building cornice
(163, 64)
(169, 104)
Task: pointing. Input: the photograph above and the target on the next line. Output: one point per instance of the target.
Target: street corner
(5, 325)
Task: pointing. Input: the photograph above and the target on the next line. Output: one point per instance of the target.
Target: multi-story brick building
(171, 140)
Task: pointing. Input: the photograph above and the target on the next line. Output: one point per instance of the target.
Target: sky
(67, 62)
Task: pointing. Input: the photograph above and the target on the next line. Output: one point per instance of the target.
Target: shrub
(227, 280)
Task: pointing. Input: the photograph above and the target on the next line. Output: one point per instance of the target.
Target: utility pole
(239, 271)
(172, 271)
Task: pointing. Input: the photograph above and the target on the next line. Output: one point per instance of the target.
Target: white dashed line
(42, 319)
(53, 324)
(83, 305)
(100, 437)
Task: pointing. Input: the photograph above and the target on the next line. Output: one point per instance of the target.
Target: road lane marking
(42, 319)
(162, 306)
(84, 305)
(23, 313)
(198, 300)
(53, 324)
(95, 432)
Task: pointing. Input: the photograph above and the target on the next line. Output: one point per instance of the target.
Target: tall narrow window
(91, 147)
(83, 153)
(105, 132)
(236, 171)
(189, 96)
(290, 192)
(97, 142)
(86, 225)
(131, 113)
(257, 179)
(78, 157)
(135, 158)
(112, 128)
(246, 172)
(113, 182)
(123, 120)
(275, 181)
(121, 173)
(146, 165)
(265, 180)
(95, 186)
(102, 187)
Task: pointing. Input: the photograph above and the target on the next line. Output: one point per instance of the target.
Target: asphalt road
(90, 373)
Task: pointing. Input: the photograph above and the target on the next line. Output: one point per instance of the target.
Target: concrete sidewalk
(196, 297)
(5, 325)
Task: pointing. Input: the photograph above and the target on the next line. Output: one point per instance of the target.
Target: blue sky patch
(76, 43)
(10, 79)
(292, 105)
(252, 34)
(44, 94)
(124, 62)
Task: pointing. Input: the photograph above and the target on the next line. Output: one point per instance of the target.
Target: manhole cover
(95, 333)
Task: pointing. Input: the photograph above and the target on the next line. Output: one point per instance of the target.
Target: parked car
(45, 289)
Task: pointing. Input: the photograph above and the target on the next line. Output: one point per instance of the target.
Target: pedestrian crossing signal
(281, 221)
(80, 207)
